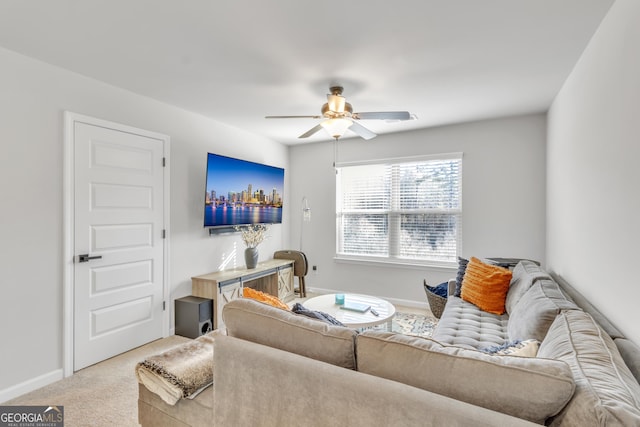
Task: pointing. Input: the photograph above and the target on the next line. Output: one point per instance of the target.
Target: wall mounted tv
(239, 192)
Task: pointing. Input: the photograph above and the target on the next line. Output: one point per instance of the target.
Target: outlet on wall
(315, 269)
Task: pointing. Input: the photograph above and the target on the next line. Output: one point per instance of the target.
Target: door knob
(86, 257)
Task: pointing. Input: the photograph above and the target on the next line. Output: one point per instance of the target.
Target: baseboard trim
(394, 301)
(30, 385)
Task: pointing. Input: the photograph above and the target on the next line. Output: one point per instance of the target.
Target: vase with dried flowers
(252, 236)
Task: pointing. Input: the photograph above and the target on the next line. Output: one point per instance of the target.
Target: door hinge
(164, 305)
(164, 234)
(164, 162)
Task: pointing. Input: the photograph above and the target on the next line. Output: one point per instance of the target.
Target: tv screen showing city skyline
(239, 192)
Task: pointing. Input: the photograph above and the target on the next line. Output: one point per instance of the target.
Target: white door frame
(68, 227)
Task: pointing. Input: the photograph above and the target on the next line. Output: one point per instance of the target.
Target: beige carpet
(105, 394)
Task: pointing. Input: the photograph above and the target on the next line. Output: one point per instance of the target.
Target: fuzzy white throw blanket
(181, 372)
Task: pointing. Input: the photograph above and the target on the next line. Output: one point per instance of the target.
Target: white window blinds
(401, 209)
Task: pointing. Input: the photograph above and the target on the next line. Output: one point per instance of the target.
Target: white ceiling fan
(339, 117)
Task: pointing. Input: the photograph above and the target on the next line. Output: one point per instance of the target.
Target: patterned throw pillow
(486, 286)
(266, 298)
(526, 348)
(462, 268)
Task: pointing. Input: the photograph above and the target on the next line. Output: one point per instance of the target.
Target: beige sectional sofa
(276, 368)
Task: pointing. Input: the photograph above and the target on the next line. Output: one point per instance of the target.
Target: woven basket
(436, 302)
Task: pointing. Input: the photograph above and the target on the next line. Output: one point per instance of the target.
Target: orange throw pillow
(486, 286)
(262, 297)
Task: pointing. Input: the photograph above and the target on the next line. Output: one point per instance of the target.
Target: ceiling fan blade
(362, 131)
(382, 115)
(311, 131)
(292, 117)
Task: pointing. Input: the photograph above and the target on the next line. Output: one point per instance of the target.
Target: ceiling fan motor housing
(336, 90)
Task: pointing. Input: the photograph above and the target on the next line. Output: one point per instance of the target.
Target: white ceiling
(445, 61)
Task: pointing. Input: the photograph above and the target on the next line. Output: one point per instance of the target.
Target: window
(400, 210)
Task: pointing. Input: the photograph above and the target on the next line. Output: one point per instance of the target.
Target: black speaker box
(194, 316)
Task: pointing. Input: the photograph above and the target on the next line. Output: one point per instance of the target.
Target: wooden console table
(274, 277)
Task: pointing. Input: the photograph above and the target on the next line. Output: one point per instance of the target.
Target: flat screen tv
(239, 192)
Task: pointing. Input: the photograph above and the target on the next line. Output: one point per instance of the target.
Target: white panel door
(118, 230)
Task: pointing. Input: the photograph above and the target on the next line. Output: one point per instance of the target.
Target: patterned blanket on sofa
(181, 372)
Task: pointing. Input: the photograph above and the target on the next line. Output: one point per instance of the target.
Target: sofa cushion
(606, 393)
(630, 354)
(536, 310)
(529, 388)
(465, 325)
(260, 323)
(153, 411)
(525, 274)
(486, 285)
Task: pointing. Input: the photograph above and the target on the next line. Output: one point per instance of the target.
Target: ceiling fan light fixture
(339, 117)
(336, 127)
(333, 114)
(336, 103)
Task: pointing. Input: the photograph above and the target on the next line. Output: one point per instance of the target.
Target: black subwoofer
(194, 316)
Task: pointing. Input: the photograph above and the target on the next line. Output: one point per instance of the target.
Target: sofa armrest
(451, 287)
(259, 385)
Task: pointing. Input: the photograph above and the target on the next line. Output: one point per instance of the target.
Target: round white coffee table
(353, 319)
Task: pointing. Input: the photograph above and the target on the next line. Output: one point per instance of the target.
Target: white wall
(34, 97)
(503, 199)
(593, 174)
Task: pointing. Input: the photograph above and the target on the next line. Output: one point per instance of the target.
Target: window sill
(443, 266)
